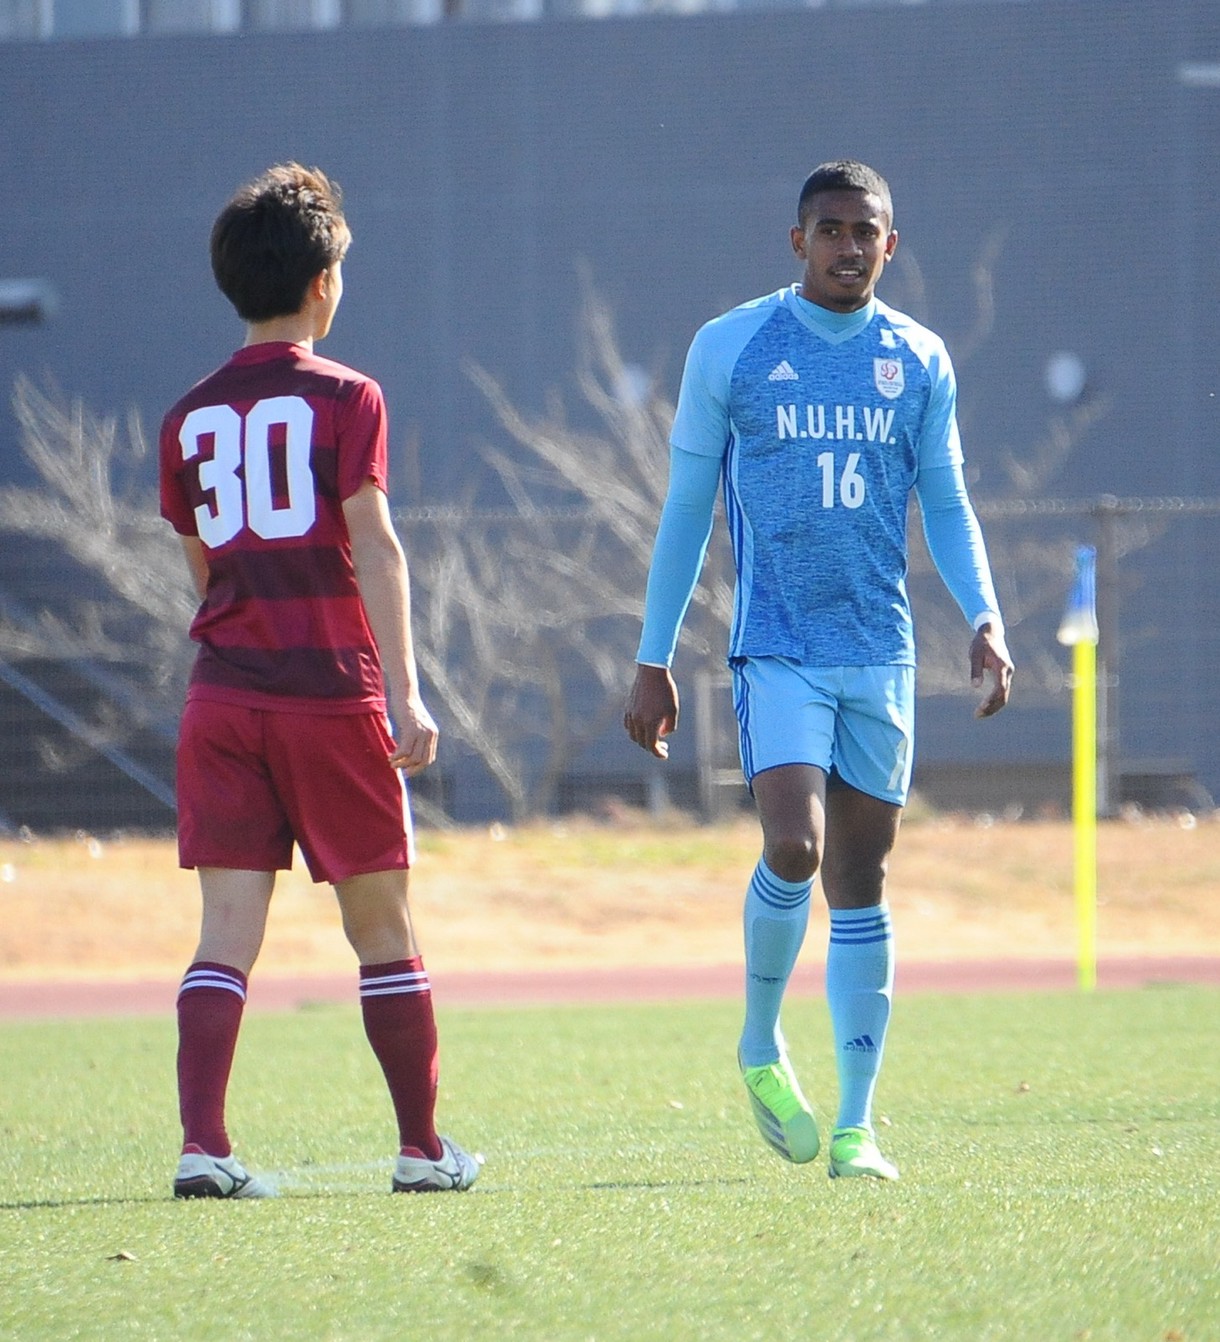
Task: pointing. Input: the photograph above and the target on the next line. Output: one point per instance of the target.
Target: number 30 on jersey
(238, 442)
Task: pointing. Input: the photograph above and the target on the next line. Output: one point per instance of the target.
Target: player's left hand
(652, 709)
(989, 655)
(416, 736)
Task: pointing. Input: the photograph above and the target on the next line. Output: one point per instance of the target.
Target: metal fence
(82, 747)
(1158, 604)
(1156, 593)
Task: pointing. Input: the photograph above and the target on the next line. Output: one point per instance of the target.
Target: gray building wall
(483, 165)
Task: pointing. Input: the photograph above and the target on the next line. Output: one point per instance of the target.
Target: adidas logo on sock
(862, 1043)
(783, 372)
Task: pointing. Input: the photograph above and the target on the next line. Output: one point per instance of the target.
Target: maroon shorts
(251, 783)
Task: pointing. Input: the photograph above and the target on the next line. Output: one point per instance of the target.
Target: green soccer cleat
(854, 1155)
(782, 1113)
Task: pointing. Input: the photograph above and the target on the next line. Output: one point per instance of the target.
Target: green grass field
(1060, 1157)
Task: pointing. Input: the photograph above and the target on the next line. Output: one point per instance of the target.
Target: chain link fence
(88, 729)
(1158, 655)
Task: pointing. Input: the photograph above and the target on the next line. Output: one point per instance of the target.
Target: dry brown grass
(632, 892)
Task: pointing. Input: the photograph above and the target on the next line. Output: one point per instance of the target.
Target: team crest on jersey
(887, 374)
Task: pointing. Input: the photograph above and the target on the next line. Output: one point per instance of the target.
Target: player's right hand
(652, 709)
(989, 656)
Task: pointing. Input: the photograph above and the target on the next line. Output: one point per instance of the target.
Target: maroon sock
(210, 1004)
(396, 1000)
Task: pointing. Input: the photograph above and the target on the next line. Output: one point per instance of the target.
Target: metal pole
(1079, 631)
(1107, 511)
(705, 747)
(1084, 808)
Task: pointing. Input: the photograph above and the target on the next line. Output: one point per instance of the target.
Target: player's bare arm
(381, 572)
(989, 657)
(652, 709)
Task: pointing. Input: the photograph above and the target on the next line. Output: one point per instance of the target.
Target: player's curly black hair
(276, 234)
(844, 174)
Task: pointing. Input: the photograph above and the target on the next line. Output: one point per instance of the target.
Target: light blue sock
(859, 985)
(775, 918)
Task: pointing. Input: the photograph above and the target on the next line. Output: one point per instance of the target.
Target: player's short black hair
(844, 174)
(276, 235)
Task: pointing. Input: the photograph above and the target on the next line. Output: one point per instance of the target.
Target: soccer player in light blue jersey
(820, 410)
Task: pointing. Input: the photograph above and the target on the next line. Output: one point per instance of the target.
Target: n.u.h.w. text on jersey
(837, 423)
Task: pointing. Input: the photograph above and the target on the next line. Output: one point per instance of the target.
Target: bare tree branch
(114, 532)
(541, 613)
(527, 616)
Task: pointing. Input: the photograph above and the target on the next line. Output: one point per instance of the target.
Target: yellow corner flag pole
(1079, 631)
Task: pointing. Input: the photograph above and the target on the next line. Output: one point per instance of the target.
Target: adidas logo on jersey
(783, 372)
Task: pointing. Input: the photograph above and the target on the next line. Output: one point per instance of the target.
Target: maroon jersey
(256, 460)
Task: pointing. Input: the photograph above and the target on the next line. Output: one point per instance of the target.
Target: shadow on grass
(55, 1204)
(618, 1185)
(303, 1192)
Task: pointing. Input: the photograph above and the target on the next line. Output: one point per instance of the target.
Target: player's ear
(797, 234)
(891, 244)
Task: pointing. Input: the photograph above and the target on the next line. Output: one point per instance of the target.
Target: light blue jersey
(822, 424)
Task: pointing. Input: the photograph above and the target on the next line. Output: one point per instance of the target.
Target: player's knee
(857, 885)
(380, 943)
(793, 857)
(377, 930)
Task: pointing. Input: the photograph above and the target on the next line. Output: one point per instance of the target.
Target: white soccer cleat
(203, 1176)
(454, 1172)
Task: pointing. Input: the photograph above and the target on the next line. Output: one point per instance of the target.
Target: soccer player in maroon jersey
(273, 472)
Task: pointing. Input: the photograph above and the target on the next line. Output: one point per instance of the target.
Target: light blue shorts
(858, 721)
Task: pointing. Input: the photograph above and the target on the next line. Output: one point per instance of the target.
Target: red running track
(41, 1000)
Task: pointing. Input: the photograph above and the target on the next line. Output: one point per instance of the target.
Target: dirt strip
(67, 998)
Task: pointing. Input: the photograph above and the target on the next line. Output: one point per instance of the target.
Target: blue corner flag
(1079, 624)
